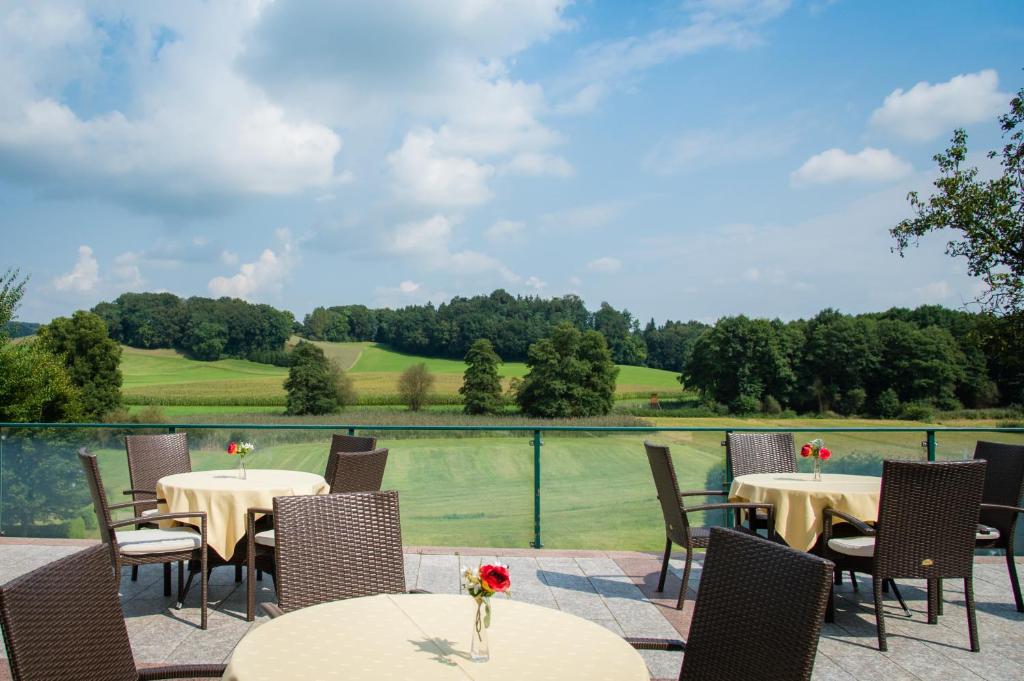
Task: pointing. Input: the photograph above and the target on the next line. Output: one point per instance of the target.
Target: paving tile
(615, 590)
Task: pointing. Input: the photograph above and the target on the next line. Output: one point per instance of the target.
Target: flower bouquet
(481, 584)
(816, 448)
(241, 450)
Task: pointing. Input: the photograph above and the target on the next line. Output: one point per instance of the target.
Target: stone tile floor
(614, 589)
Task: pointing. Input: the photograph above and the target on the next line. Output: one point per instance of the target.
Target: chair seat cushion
(860, 547)
(264, 538)
(986, 533)
(155, 540)
(149, 511)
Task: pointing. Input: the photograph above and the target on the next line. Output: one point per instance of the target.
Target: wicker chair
(750, 453)
(926, 529)
(336, 546)
(351, 471)
(1004, 487)
(63, 622)
(758, 613)
(347, 443)
(150, 545)
(151, 457)
(675, 512)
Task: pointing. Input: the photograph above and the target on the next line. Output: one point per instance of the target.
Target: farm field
(165, 377)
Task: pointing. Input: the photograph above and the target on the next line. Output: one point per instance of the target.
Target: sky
(685, 159)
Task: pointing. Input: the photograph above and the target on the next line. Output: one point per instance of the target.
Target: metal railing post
(930, 444)
(351, 432)
(537, 442)
(172, 430)
(727, 477)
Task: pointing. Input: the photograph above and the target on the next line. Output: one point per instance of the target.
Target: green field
(167, 378)
(596, 490)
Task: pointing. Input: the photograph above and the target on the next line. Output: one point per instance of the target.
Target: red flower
(494, 578)
(824, 453)
(233, 448)
(805, 450)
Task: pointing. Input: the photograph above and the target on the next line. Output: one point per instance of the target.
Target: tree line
(202, 328)
(929, 357)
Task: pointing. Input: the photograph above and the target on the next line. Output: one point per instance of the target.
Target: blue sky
(685, 159)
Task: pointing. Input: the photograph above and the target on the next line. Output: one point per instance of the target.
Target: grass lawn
(167, 378)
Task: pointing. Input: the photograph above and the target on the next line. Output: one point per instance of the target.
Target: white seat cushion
(134, 542)
(264, 538)
(992, 534)
(861, 547)
(149, 511)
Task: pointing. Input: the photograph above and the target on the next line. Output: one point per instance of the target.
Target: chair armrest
(251, 512)
(703, 493)
(656, 643)
(737, 504)
(272, 609)
(139, 491)
(183, 671)
(419, 591)
(160, 516)
(128, 504)
(859, 524)
(1001, 507)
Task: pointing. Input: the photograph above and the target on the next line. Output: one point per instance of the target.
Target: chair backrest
(63, 622)
(677, 526)
(151, 457)
(347, 443)
(99, 495)
(1004, 483)
(759, 610)
(750, 453)
(928, 518)
(336, 546)
(358, 471)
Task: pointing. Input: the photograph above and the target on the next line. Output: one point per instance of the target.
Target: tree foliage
(571, 375)
(481, 385)
(35, 386)
(12, 289)
(987, 216)
(414, 386)
(311, 386)
(203, 328)
(91, 358)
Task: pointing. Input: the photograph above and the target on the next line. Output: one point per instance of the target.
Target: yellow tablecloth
(427, 637)
(799, 500)
(225, 497)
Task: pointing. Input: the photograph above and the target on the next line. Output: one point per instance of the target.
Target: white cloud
(927, 111)
(605, 265)
(407, 292)
(428, 244)
(266, 275)
(423, 174)
(83, 276)
(229, 258)
(189, 134)
(836, 165)
(127, 270)
(506, 232)
(535, 284)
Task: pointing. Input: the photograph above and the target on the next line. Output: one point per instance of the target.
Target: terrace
(613, 588)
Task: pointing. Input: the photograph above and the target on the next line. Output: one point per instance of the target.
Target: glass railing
(505, 486)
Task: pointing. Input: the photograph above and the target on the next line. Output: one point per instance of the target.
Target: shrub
(343, 385)
(746, 404)
(772, 406)
(852, 402)
(414, 386)
(887, 404)
(310, 386)
(917, 411)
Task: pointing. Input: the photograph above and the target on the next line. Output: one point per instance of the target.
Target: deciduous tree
(571, 375)
(310, 386)
(414, 386)
(481, 385)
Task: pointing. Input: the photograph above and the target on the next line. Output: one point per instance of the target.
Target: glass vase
(480, 648)
(817, 469)
(241, 468)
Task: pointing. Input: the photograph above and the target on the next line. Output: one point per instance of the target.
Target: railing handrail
(529, 428)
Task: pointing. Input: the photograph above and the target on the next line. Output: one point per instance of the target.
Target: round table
(427, 637)
(799, 500)
(225, 497)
